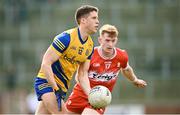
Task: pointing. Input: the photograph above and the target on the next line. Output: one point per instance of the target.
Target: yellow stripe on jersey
(41, 75)
(44, 85)
(59, 44)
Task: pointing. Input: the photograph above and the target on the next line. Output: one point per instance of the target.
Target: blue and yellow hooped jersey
(72, 51)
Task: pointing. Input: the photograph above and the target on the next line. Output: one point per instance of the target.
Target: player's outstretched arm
(129, 73)
(82, 76)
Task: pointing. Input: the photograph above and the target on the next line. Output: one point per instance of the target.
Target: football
(99, 97)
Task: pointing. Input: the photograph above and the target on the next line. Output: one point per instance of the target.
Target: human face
(107, 43)
(92, 22)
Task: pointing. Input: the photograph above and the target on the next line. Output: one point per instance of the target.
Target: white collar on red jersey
(106, 58)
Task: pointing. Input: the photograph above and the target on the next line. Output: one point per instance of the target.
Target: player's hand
(59, 96)
(139, 83)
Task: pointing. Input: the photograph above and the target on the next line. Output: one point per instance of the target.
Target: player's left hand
(140, 83)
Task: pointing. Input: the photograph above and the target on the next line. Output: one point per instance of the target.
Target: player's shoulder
(95, 52)
(120, 50)
(63, 39)
(69, 31)
(96, 48)
(65, 35)
(122, 53)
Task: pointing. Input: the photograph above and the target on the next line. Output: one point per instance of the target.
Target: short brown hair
(84, 10)
(110, 29)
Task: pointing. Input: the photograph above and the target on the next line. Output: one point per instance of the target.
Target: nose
(110, 44)
(97, 22)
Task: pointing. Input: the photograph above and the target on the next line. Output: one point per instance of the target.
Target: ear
(99, 40)
(83, 20)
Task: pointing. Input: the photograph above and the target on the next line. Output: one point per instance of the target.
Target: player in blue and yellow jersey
(69, 52)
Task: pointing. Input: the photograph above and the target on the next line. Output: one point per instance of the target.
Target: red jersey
(102, 71)
(105, 71)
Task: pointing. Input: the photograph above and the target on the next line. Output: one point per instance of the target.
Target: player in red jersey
(106, 63)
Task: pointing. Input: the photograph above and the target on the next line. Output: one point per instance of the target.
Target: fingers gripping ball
(99, 97)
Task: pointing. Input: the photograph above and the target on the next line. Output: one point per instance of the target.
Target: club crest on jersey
(80, 50)
(107, 64)
(87, 52)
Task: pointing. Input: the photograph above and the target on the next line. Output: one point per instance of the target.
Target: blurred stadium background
(149, 31)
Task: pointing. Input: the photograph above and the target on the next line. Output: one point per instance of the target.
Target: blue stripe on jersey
(57, 70)
(58, 65)
(80, 38)
(61, 42)
(89, 57)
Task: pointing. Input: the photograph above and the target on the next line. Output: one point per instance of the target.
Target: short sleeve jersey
(104, 71)
(72, 51)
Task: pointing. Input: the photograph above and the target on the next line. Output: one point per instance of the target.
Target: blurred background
(149, 31)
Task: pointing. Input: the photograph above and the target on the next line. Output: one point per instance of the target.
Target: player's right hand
(140, 83)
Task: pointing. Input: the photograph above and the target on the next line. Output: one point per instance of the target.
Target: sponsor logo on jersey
(118, 64)
(102, 77)
(96, 64)
(71, 59)
(73, 47)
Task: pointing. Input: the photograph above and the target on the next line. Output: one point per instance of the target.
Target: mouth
(109, 48)
(96, 27)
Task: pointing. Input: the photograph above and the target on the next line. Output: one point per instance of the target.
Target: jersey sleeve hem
(57, 52)
(127, 66)
(88, 60)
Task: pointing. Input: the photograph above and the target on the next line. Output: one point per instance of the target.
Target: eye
(107, 40)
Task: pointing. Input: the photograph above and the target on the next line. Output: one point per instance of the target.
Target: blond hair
(110, 29)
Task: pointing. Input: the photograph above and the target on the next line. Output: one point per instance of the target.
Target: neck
(84, 34)
(107, 54)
